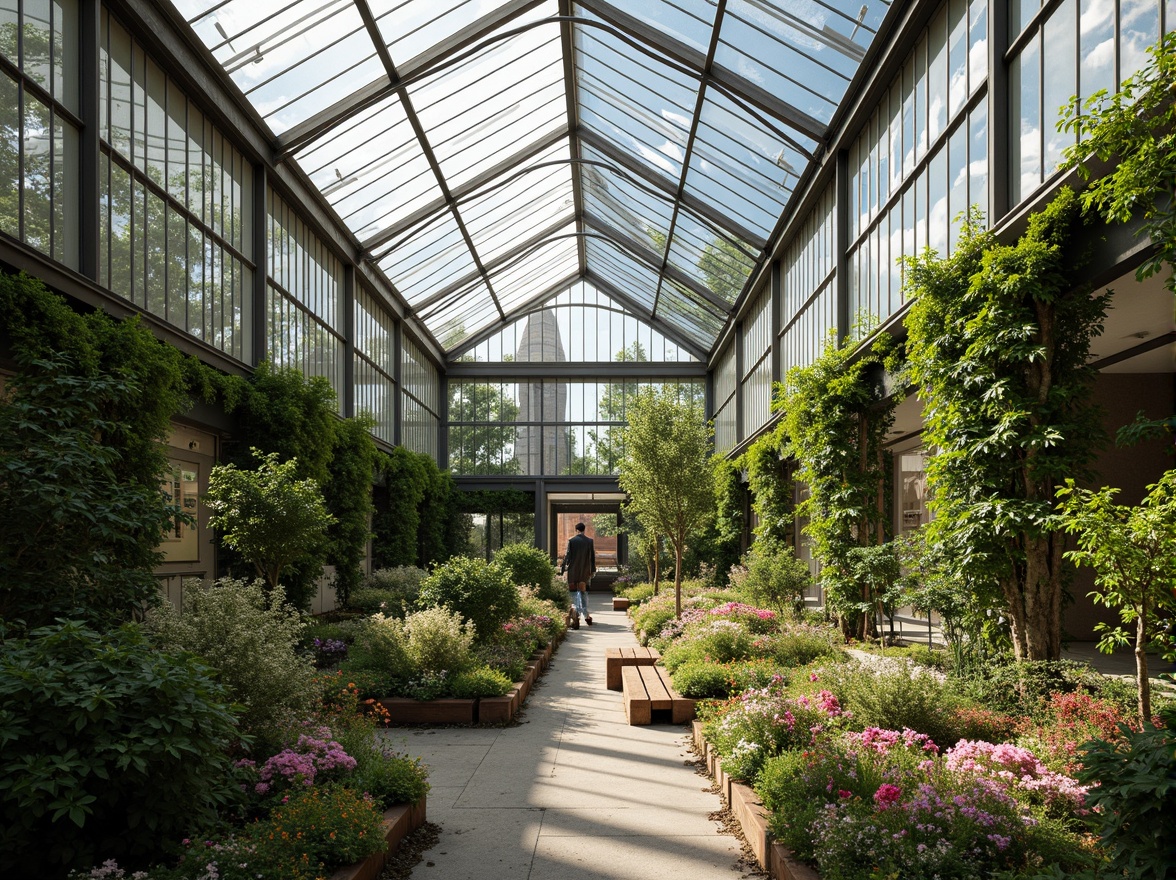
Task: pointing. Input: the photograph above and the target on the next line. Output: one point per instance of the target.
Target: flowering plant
(311, 759)
(1013, 768)
(763, 722)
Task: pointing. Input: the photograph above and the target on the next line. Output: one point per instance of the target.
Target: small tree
(667, 472)
(268, 516)
(776, 577)
(1132, 550)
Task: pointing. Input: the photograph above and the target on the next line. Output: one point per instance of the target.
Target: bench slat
(637, 703)
(657, 687)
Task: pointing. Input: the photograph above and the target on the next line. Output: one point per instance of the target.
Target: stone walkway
(572, 792)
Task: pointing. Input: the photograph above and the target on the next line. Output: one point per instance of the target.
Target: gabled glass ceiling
(489, 155)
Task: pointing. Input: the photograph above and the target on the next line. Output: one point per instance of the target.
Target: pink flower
(886, 795)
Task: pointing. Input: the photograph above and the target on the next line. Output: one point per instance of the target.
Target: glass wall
(176, 202)
(543, 426)
(921, 160)
(304, 315)
(375, 364)
(587, 326)
(726, 433)
(756, 382)
(39, 125)
(809, 296)
(421, 399)
(1092, 45)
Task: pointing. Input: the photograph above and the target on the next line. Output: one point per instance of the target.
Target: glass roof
(489, 155)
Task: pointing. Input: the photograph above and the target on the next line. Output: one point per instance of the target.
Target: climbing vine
(999, 337)
(835, 416)
(769, 479)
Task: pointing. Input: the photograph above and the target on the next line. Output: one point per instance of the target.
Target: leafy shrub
(1024, 687)
(252, 641)
(719, 641)
(387, 775)
(651, 617)
(800, 646)
(777, 578)
(550, 614)
(1136, 791)
(506, 658)
(329, 825)
(402, 584)
(702, 681)
(896, 695)
(367, 600)
(380, 648)
(932, 658)
(764, 722)
(479, 592)
(438, 640)
(110, 748)
(637, 594)
(481, 681)
(529, 567)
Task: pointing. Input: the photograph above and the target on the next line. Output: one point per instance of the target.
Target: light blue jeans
(579, 603)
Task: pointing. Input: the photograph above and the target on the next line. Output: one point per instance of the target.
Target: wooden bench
(647, 689)
(615, 658)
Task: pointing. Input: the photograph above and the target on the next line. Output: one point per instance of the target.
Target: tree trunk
(1143, 682)
(656, 563)
(678, 577)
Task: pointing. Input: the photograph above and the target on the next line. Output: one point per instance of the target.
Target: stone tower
(542, 447)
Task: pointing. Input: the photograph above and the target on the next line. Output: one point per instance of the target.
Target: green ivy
(348, 494)
(403, 481)
(998, 340)
(730, 521)
(82, 454)
(769, 479)
(835, 416)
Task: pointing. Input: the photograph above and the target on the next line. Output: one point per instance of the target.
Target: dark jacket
(579, 559)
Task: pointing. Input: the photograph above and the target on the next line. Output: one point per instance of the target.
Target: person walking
(580, 564)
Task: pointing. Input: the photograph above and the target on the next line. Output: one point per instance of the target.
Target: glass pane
(9, 155)
(1060, 82)
(1096, 29)
(429, 261)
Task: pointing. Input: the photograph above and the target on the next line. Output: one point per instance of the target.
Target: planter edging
(398, 823)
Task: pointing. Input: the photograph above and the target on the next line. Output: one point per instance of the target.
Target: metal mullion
(549, 182)
(666, 329)
(318, 84)
(731, 83)
(784, 45)
(531, 205)
(697, 206)
(470, 189)
(39, 92)
(531, 131)
(498, 263)
(287, 35)
(358, 123)
(567, 47)
(365, 96)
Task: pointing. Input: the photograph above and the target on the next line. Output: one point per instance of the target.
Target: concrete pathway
(573, 792)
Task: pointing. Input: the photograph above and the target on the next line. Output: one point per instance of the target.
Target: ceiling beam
(662, 326)
(738, 233)
(299, 135)
(573, 111)
(729, 82)
(628, 370)
(469, 189)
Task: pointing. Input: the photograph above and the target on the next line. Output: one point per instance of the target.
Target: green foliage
(1135, 779)
(702, 680)
(380, 650)
(666, 470)
(894, 696)
(330, 825)
(1132, 549)
(776, 578)
(110, 748)
(800, 646)
(438, 640)
(348, 496)
(529, 566)
(392, 590)
(269, 516)
(481, 681)
(635, 593)
(81, 459)
(999, 339)
(444, 529)
(252, 640)
(400, 490)
(495, 501)
(731, 497)
(1024, 687)
(718, 642)
(480, 592)
(388, 776)
(1132, 133)
(835, 419)
(769, 479)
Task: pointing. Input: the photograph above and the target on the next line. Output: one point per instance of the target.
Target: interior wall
(1131, 469)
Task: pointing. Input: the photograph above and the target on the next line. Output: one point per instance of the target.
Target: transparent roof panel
(481, 170)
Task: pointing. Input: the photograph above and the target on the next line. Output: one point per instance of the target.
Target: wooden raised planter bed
(749, 811)
(398, 823)
(402, 710)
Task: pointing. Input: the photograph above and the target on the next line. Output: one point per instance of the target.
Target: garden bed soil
(399, 822)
